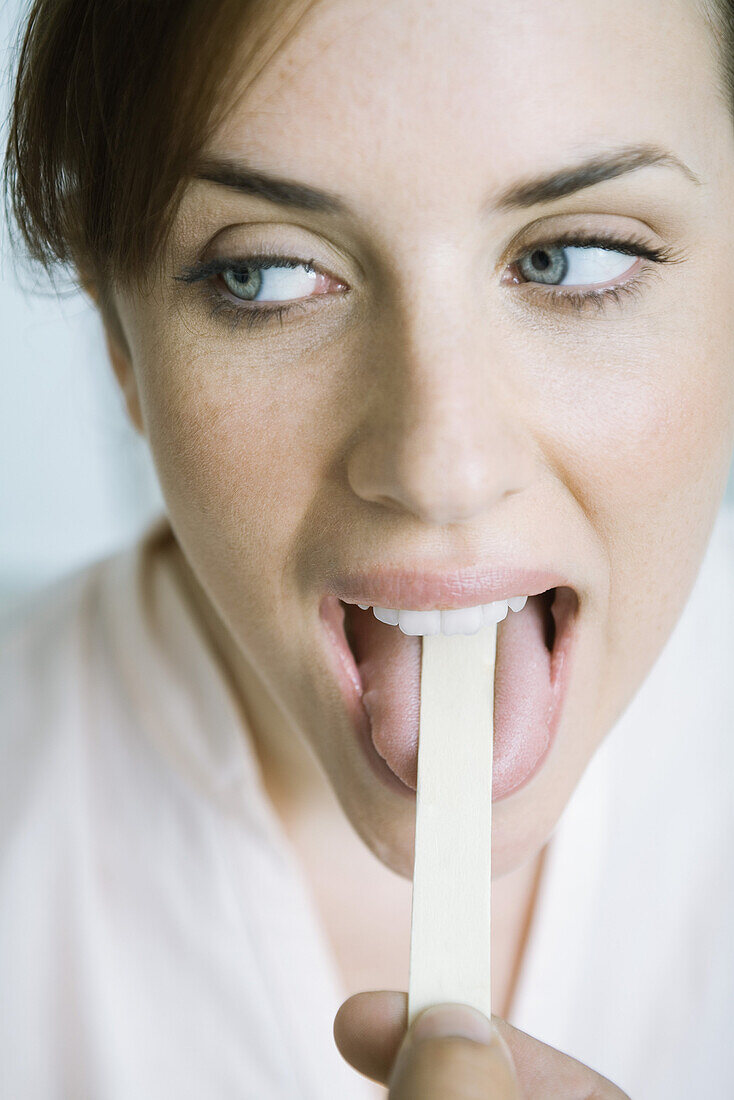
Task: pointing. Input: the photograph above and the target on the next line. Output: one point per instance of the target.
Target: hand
(471, 1061)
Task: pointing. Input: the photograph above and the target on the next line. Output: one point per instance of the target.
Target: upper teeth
(461, 620)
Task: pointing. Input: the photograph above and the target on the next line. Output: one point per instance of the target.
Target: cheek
(647, 424)
(241, 454)
(229, 456)
(646, 454)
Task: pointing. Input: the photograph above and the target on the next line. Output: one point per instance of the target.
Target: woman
(419, 306)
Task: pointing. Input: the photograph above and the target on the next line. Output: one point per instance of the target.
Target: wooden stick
(450, 922)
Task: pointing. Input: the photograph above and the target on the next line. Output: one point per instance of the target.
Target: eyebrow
(527, 192)
(595, 169)
(283, 192)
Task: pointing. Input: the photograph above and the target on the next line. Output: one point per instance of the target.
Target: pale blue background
(75, 480)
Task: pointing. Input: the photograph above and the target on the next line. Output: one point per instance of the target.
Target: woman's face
(456, 389)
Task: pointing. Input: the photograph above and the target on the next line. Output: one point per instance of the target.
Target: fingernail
(461, 1020)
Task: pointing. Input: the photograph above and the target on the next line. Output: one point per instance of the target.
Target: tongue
(389, 665)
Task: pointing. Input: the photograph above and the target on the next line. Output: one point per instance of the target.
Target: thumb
(453, 1052)
(370, 1029)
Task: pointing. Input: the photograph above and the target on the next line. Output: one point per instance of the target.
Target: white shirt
(158, 939)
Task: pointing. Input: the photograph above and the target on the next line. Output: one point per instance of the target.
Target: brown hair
(113, 100)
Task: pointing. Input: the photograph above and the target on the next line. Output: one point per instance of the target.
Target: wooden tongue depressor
(450, 922)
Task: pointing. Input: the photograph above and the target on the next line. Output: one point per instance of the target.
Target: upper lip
(422, 590)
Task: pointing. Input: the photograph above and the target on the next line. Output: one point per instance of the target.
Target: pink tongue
(390, 669)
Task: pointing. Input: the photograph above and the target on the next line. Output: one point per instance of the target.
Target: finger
(369, 1028)
(368, 1031)
(453, 1053)
(545, 1071)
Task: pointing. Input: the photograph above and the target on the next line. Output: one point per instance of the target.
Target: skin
(596, 442)
(458, 1055)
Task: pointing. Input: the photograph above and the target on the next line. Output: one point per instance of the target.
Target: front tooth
(364, 606)
(419, 622)
(494, 612)
(462, 620)
(517, 603)
(386, 615)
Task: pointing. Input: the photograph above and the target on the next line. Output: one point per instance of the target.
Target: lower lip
(351, 689)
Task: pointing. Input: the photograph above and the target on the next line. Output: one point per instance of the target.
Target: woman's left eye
(568, 265)
(588, 270)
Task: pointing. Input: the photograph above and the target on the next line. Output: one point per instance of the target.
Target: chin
(517, 837)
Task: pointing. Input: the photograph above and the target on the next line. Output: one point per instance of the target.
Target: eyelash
(204, 274)
(599, 299)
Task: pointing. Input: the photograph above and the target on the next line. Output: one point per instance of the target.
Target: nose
(441, 435)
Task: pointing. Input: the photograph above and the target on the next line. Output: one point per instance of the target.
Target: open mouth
(379, 671)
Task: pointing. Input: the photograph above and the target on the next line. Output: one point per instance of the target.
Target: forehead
(443, 99)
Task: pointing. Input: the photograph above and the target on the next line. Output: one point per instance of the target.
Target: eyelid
(574, 298)
(579, 297)
(205, 269)
(250, 312)
(628, 244)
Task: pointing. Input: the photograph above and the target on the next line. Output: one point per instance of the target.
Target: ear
(119, 353)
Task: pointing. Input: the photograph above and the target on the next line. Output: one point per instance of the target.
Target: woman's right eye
(277, 283)
(263, 288)
(264, 278)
